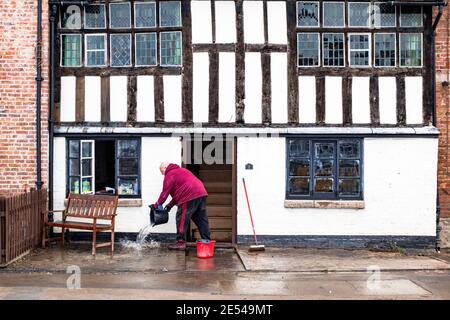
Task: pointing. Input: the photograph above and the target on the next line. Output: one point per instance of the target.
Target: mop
(256, 246)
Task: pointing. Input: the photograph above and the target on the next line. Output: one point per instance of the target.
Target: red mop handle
(249, 210)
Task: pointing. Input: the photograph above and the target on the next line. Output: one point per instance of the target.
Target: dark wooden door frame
(234, 193)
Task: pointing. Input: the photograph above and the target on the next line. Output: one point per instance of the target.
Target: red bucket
(205, 249)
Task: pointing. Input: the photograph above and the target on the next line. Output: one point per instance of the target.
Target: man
(189, 194)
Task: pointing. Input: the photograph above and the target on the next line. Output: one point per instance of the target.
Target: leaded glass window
(146, 49)
(71, 50)
(359, 14)
(411, 16)
(308, 49)
(333, 49)
(385, 49)
(411, 50)
(307, 14)
(70, 17)
(128, 167)
(145, 14)
(359, 50)
(384, 15)
(120, 50)
(170, 48)
(119, 15)
(170, 13)
(95, 50)
(324, 169)
(333, 14)
(94, 16)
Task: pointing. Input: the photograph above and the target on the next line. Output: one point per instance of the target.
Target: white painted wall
(253, 87)
(200, 87)
(225, 21)
(172, 98)
(278, 71)
(277, 22)
(227, 84)
(333, 100)
(59, 175)
(399, 199)
(201, 22)
(307, 99)
(92, 99)
(253, 21)
(145, 99)
(68, 98)
(118, 96)
(387, 88)
(413, 100)
(361, 100)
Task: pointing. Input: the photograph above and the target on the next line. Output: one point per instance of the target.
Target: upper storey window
(333, 14)
(122, 34)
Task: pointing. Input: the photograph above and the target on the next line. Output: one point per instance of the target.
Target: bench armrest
(55, 211)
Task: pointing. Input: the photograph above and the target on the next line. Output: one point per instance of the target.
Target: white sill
(123, 202)
(325, 204)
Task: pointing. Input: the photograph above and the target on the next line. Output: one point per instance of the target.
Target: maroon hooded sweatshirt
(182, 185)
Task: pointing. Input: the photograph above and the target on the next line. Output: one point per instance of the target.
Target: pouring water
(141, 240)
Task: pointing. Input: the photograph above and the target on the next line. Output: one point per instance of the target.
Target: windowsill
(123, 202)
(325, 204)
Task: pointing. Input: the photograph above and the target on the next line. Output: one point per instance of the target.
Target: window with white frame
(308, 14)
(95, 50)
(71, 50)
(170, 48)
(170, 14)
(359, 14)
(411, 16)
(120, 50)
(145, 14)
(308, 51)
(120, 15)
(359, 49)
(81, 166)
(333, 49)
(384, 14)
(411, 50)
(95, 16)
(385, 44)
(333, 14)
(146, 51)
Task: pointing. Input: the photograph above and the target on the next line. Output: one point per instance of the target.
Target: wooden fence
(21, 224)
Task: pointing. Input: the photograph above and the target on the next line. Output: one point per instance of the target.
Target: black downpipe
(39, 80)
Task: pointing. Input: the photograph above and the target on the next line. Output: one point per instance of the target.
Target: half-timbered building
(325, 108)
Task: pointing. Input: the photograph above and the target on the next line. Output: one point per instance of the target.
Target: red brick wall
(442, 106)
(18, 32)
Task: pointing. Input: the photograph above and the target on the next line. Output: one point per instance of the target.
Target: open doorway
(105, 165)
(213, 163)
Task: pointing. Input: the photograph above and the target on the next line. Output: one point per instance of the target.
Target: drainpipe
(39, 80)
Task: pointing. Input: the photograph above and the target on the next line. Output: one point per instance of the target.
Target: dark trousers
(195, 210)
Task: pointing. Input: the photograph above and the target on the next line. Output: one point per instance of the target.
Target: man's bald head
(163, 166)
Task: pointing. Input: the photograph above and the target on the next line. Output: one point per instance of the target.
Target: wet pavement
(277, 273)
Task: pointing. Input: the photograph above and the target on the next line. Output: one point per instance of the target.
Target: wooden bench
(91, 207)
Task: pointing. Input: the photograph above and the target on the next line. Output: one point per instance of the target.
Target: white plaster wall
(227, 84)
(307, 99)
(225, 21)
(399, 186)
(253, 22)
(278, 71)
(277, 22)
(201, 22)
(200, 87)
(145, 99)
(172, 98)
(68, 98)
(118, 96)
(154, 151)
(333, 100)
(413, 100)
(387, 88)
(360, 100)
(92, 99)
(253, 87)
(59, 175)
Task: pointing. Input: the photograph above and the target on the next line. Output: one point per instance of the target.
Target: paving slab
(335, 260)
(399, 287)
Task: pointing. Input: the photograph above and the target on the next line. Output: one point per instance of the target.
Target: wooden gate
(21, 224)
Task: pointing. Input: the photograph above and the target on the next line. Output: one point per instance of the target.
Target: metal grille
(385, 50)
(120, 50)
(71, 50)
(146, 49)
(411, 50)
(94, 16)
(384, 15)
(333, 14)
(359, 14)
(120, 15)
(171, 48)
(333, 49)
(145, 15)
(170, 14)
(307, 14)
(359, 49)
(308, 49)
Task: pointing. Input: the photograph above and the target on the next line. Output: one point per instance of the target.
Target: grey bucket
(158, 216)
